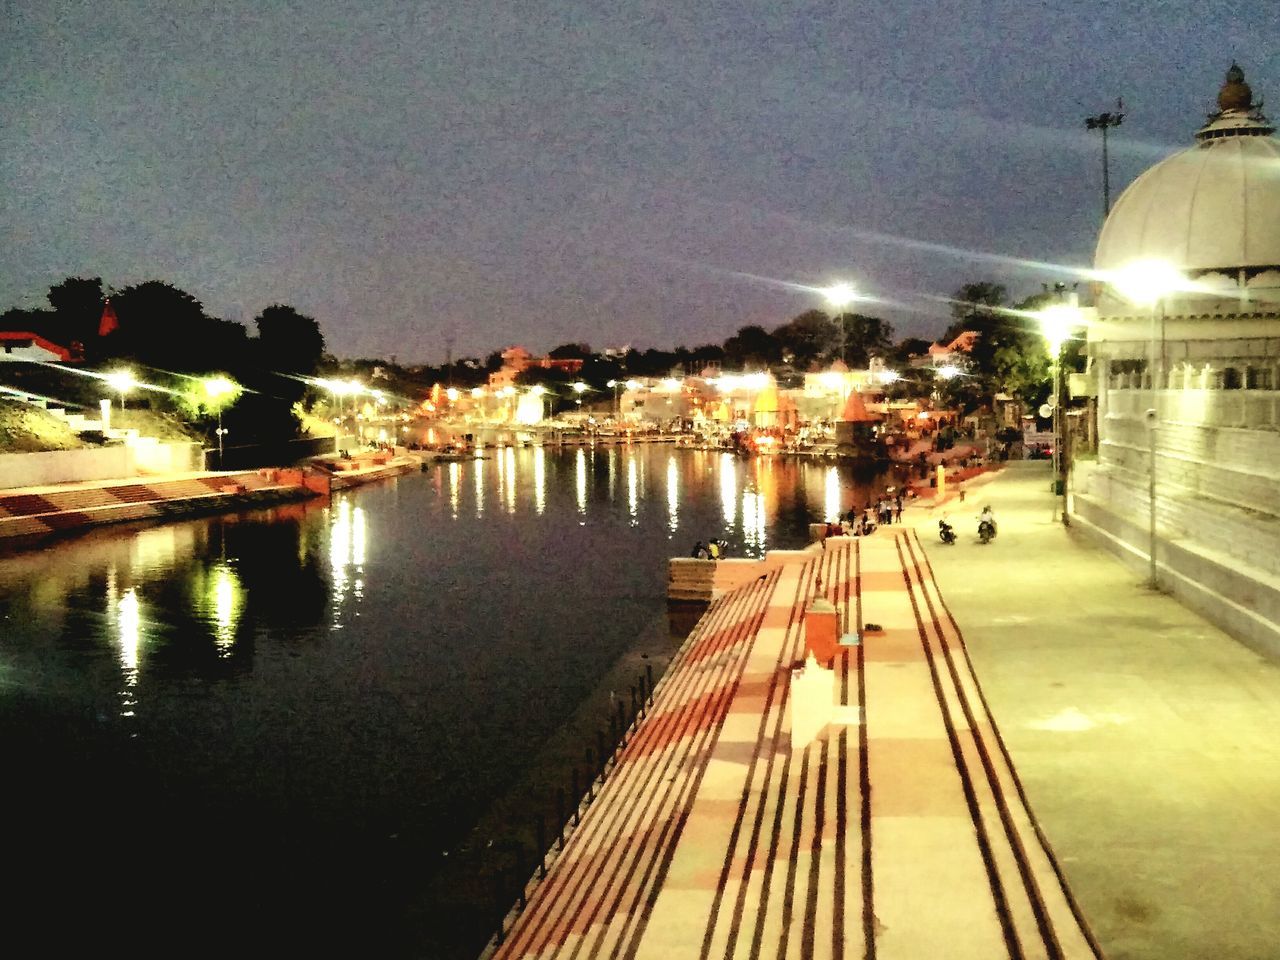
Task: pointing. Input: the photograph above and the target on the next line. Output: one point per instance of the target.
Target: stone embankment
(31, 515)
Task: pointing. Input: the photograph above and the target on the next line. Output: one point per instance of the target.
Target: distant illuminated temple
(1197, 371)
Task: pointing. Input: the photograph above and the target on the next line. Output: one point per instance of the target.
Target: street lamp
(1056, 323)
(839, 296)
(1147, 283)
(579, 388)
(121, 381)
(217, 389)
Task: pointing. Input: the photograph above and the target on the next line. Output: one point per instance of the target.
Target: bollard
(648, 672)
(604, 762)
(591, 780)
(622, 726)
(540, 828)
(644, 696)
(521, 873)
(560, 817)
(577, 795)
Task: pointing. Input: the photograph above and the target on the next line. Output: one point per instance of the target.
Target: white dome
(1215, 206)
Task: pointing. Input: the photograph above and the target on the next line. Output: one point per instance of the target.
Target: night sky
(648, 173)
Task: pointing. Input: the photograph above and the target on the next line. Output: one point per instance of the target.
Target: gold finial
(1235, 93)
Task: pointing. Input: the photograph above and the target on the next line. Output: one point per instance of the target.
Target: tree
(865, 337)
(571, 351)
(163, 326)
(288, 341)
(806, 339)
(77, 301)
(909, 347)
(752, 346)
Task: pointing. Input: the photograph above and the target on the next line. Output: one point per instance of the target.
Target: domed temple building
(1184, 356)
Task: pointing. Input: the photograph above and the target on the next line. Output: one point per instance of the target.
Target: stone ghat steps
(599, 894)
(902, 837)
(27, 515)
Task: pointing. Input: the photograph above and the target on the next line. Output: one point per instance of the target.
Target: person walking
(897, 509)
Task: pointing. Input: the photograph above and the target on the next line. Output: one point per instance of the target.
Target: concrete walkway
(1148, 741)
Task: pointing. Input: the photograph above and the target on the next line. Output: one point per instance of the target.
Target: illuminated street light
(121, 381)
(477, 392)
(537, 389)
(840, 295)
(671, 384)
(633, 384)
(890, 376)
(1144, 282)
(1057, 321)
(1147, 283)
(949, 372)
(219, 391)
(453, 394)
(579, 387)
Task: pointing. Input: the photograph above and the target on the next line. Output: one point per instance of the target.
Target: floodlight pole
(1103, 122)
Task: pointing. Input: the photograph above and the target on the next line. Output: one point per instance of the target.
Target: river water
(274, 728)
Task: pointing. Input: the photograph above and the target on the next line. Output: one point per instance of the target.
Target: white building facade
(1195, 376)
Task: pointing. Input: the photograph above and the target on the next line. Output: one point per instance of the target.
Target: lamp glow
(840, 295)
(948, 372)
(121, 380)
(1143, 282)
(579, 387)
(1056, 323)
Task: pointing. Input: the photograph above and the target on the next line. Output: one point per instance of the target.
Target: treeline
(167, 338)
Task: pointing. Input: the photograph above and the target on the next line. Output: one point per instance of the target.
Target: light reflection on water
(387, 661)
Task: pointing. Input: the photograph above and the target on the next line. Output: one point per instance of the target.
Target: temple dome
(1212, 207)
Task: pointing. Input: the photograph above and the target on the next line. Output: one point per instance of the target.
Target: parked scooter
(945, 532)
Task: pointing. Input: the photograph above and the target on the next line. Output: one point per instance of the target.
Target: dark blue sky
(609, 172)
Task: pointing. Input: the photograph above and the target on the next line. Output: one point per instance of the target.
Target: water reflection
(478, 471)
(455, 472)
(580, 481)
(729, 488)
(831, 502)
(540, 480)
(633, 489)
(510, 458)
(346, 554)
(673, 495)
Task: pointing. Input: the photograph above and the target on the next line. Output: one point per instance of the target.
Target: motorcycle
(986, 530)
(946, 533)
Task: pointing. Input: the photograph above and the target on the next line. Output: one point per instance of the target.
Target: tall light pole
(218, 390)
(1147, 283)
(1104, 122)
(839, 296)
(1057, 322)
(121, 381)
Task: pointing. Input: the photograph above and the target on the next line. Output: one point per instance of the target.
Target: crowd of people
(859, 522)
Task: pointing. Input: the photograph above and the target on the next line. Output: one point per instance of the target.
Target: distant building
(948, 354)
(20, 345)
(516, 360)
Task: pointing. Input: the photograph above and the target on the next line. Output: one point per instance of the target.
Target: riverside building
(1188, 376)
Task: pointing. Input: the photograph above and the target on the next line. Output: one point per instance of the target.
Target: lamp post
(216, 389)
(839, 296)
(121, 381)
(1056, 322)
(1147, 283)
(1104, 122)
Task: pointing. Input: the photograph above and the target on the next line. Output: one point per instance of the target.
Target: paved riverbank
(1144, 736)
(902, 836)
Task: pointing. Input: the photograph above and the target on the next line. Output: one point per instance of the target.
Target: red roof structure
(109, 322)
(855, 411)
